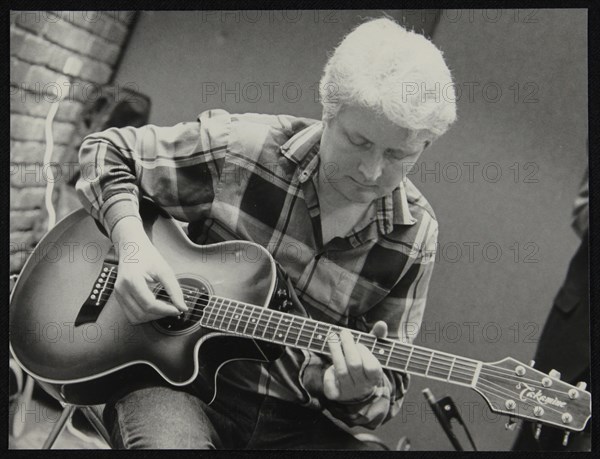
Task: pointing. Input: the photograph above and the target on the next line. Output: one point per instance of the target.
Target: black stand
(445, 410)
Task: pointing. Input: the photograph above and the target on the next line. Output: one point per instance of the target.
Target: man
(565, 340)
(329, 200)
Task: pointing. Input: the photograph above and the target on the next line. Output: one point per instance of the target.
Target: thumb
(380, 329)
(169, 281)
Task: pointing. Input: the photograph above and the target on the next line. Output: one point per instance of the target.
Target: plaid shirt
(252, 177)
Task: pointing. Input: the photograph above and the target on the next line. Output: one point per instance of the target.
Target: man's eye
(396, 154)
(359, 143)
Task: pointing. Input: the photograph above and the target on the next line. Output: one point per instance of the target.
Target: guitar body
(62, 337)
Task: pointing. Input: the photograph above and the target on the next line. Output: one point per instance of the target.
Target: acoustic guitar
(68, 330)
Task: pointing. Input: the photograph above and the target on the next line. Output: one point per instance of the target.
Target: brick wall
(40, 44)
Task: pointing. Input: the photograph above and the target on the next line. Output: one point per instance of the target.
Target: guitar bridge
(99, 294)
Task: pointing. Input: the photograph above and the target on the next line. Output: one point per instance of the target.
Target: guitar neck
(257, 322)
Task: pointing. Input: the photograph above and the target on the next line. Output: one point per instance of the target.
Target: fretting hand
(355, 372)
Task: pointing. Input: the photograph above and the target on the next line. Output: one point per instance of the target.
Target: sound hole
(196, 295)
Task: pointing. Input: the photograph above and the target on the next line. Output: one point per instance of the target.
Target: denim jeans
(155, 415)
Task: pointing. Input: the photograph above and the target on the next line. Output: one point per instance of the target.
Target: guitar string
(431, 368)
(216, 309)
(415, 355)
(425, 357)
(484, 381)
(547, 389)
(193, 296)
(317, 342)
(484, 369)
(269, 324)
(298, 343)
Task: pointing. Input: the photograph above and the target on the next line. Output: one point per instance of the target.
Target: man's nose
(371, 166)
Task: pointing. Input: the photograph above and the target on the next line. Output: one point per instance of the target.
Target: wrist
(364, 399)
(127, 230)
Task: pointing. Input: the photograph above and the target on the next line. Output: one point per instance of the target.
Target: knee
(159, 418)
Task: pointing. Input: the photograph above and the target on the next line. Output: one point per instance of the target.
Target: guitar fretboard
(257, 322)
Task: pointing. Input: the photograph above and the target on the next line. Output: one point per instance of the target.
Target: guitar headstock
(520, 391)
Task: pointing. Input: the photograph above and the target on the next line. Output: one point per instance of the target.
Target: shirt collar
(303, 149)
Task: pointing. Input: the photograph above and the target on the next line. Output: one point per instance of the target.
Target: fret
(213, 310)
(300, 331)
(232, 315)
(408, 360)
(267, 324)
(277, 327)
(390, 354)
(440, 365)
(358, 339)
(257, 320)
(429, 364)
(249, 319)
(451, 367)
(205, 314)
(289, 327)
(476, 374)
(220, 304)
(240, 315)
(326, 337)
(311, 337)
(223, 318)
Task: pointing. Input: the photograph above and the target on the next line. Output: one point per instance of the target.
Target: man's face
(365, 156)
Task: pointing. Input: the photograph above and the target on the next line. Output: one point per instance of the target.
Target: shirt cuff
(117, 207)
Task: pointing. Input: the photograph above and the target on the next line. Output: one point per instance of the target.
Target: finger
(169, 281)
(372, 370)
(380, 329)
(331, 388)
(337, 356)
(352, 356)
(151, 307)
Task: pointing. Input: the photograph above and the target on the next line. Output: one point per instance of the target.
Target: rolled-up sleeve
(178, 167)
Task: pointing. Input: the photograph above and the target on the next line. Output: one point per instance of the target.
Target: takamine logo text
(529, 392)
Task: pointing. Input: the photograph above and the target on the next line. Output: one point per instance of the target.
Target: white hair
(395, 72)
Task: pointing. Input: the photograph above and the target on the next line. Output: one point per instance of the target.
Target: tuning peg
(565, 441)
(511, 423)
(531, 363)
(538, 432)
(581, 385)
(554, 374)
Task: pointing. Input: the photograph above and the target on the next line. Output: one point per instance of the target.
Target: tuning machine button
(565, 441)
(538, 431)
(532, 363)
(554, 374)
(581, 385)
(286, 305)
(511, 423)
